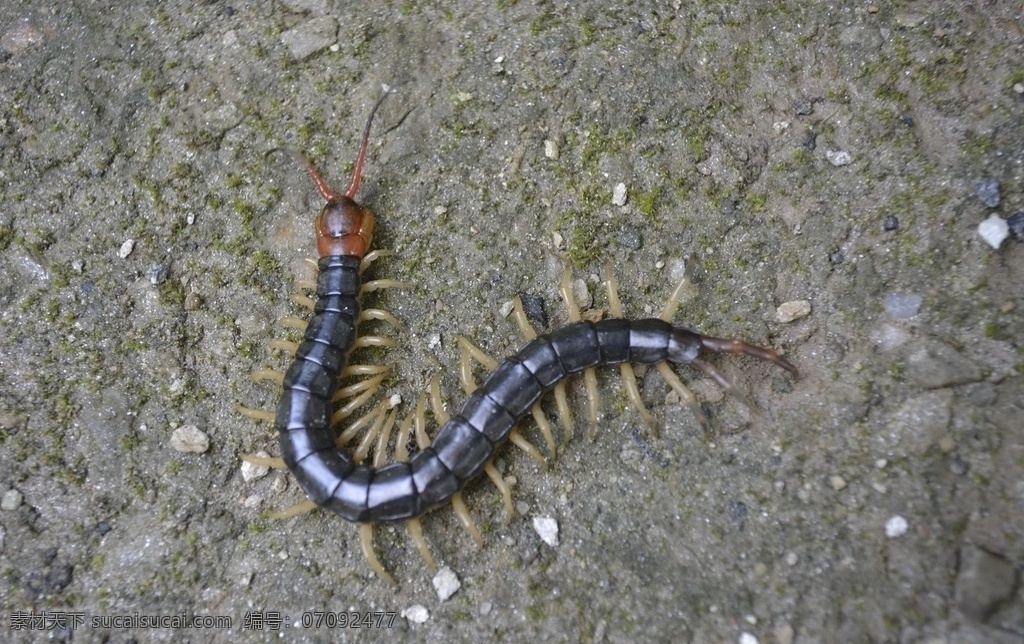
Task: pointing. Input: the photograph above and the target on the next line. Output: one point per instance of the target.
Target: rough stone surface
(983, 582)
(173, 124)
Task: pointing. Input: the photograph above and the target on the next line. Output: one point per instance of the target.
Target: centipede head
(343, 227)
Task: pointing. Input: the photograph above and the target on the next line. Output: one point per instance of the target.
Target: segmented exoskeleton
(467, 441)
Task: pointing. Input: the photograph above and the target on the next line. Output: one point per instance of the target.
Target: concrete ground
(840, 155)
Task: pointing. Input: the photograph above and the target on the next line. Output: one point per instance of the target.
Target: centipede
(313, 405)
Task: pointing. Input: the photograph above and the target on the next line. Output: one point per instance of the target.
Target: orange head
(343, 227)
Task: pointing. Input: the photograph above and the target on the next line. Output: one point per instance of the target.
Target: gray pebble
(629, 237)
(803, 106)
(157, 274)
(1016, 225)
(988, 191)
(983, 582)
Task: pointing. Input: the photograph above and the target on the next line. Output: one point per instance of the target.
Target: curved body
(464, 445)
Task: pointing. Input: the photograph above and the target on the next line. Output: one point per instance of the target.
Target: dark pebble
(803, 107)
(157, 274)
(738, 511)
(535, 310)
(988, 191)
(1016, 224)
(103, 528)
(59, 577)
(811, 141)
(892, 222)
(958, 466)
(629, 237)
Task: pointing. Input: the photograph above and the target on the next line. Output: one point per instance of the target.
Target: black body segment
(648, 340)
(461, 449)
(576, 345)
(539, 357)
(392, 494)
(465, 444)
(486, 416)
(350, 498)
(512, 386)
(613, 339)
(434, 482)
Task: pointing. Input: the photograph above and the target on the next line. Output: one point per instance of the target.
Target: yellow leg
(256, 414)
(684, 394)
(519, 441)
(545, 428)
(272, 375)
(503, 488)
(301, 507)
(366, 542)
(466, 519)
(267, 461)
(416, 532)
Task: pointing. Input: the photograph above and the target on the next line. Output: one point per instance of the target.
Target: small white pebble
(251, 472)
(417, 613)
(446, 583)
(485, 608)
(11, 500)
(780, 126)
(547, 528)
(434, 341)
(837, 482)
(550, 149)
(1019, 88)
(126, 248)
(747, 638)
(190, 438)
(792, 558)
(750, 619)
(507, 308)
(896, 526)
(839, 157)
(619, 194)
(395, 400)
(994, 230)
(881, 463)
(557, 239)
(793, 310)
(440, 210)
